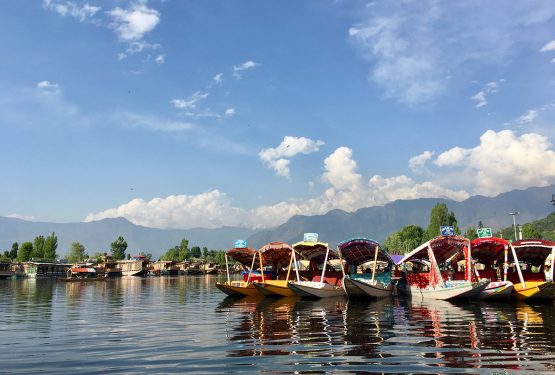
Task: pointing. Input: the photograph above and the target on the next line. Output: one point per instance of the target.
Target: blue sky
(179, 114)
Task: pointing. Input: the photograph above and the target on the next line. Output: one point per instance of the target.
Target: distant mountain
(333, 227)
(379, 222)
(98, 235)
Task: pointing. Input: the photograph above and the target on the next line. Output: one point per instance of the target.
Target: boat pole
(261, 267)
(296, 268)
(375, 263)
(289, 268)
(324, 266)
(506, 264)
(517, 265)
(227, 269)
(552, 263)
(252, 266)
(341, 261)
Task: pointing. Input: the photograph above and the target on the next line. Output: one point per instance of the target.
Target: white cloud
(242, 67)
(229, 112)
(418, 163)
(48, 86)
(340, 169)
(288, 148)
(160, 59)
(501, 162)
(218, 78)
(480, 98)
(489, 88)
(529, 117)
(412, 46)
(548, 47)
(69, 8)
(133, 23)
(190, 102)
(137, 120)
(22, 217)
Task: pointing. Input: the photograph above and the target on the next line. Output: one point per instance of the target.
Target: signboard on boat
(310, 237)
(447, 230)
(484, 232)
(240, 244)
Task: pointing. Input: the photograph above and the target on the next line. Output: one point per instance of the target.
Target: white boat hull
(313, 289)
(497, 290)
(446, 292)
(367, 287)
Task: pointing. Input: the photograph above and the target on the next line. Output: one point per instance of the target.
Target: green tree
(146, 255)
(76, 253)
(529, 232)
(25, 252)
(15, 249)
(195, 252)
(50, 246)
(405, 240)
(205, 252)
(118, 248)
(440, 216)
(38, 247)
(471, 233)
(183, 250)
(171, 254)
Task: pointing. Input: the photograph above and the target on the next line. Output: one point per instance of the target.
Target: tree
(205, 252)
(38, 247)
(118, 248)
(76, 253)
(440, 216)
(405, 240)
(471, 233)
(183, 250)
(171, 254)
(529, 232)
(195, 252)
(146, 255)
(13, 252)
(25, 252)
(50, 246)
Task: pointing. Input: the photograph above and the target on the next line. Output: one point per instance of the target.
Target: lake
(184, 324)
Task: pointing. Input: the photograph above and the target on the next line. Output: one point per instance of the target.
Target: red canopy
(276, 254)
(534, 252)
(242, 255)
(360, 250)
(486, 250)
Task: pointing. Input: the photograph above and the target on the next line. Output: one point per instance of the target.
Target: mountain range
(336, 225)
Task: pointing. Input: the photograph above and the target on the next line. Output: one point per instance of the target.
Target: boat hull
(540, 290)
(274, 288)
(365, 288)
(311, 289)
(238, 288)
(497, 290)
(441, 293)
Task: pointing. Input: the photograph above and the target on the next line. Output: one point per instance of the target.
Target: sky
(182, 114)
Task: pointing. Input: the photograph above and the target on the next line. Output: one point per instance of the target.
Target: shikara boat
(431, 270)
(247, 257)
(280, 257)
(374, 281)
(325, 280)
(489, 252)
(532, 271)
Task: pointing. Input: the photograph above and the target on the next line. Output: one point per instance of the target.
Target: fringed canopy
(360, 250)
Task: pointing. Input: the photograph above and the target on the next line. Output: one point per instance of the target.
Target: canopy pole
(341, 261)
(324, 266)
(517, 265)
(261, 266)
(252, 266)
(506, 263)
(552, 262)
(289, 268)
(227, 269)
(296, 268)
(375, 263)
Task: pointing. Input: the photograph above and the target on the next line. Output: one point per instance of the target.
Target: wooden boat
(136, 266)
(279, 256)
(82, 272)
(489, 252)
(247, 258)
(372, 282)
(324, 283)
(209, 268)
(528, 274)
(423, 270)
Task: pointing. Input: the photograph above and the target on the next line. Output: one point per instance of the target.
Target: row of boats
(444, 268)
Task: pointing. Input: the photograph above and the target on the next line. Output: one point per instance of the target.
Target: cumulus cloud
(69, 8)
(503, 161)
(418, 163)
(548, 47)
(190, 102)
(290, 146)
(415, 47)
(133, 23)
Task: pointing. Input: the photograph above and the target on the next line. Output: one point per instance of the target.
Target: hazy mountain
(379, 222)
(97, 235)
(333, 227)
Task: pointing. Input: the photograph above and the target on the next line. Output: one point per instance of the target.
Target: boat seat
(420, 280)
(331, 279)
(488, 273)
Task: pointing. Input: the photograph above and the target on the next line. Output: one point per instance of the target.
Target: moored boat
(492, 254)
(247, 257)
(424, 265)
(136, 266)
(528, 274)
(279, 256)
(359, 281)
(325, 280)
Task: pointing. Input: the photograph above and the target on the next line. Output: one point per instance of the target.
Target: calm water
(184, 324)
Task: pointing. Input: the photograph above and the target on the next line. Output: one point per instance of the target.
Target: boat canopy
(534, 252)
(486, 250)
(359, 250)
(314, 251)
(243, 255)
(445, 248)
(276, 254)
